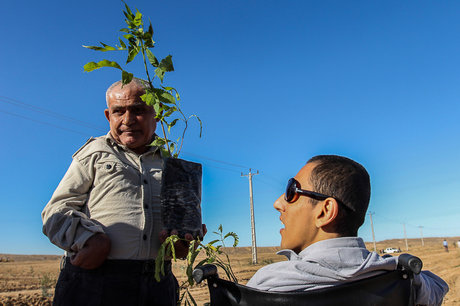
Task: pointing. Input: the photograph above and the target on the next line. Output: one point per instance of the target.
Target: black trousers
(116, 282)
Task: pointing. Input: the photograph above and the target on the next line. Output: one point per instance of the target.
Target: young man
(322, 209)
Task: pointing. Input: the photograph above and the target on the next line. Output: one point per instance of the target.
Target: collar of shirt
(315, 251)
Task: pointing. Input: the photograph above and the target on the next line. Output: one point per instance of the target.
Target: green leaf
(164, 96)
(126, 77)
(165, 153)
(171, 146)
(90, 66)
(158, 142)
(159, 261)
(104, 63)
(160, 73)
(158, 108)
(173, 250)
(148, 98)
(220, 228)
(128, 36)
(172, 89)
(137, 19)
(236, 240)
(214, 241)
(150, 28)
(107, 63)
(107, 47)
(170, 111)
(166, 64)
(94, 48)
(152, 59)
(148, 41)
(132, 53)
(128, 11)
(125, 30)
(191, 256)
(122, 44)
(199, 120)
(173, 123)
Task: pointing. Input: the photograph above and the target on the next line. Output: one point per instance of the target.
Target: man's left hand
(181, 247)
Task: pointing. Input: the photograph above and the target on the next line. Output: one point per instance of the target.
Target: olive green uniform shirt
(108, 189)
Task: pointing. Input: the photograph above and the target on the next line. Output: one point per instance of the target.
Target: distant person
(458, 244)
(105, 213)
(446, 245)
(322, 209)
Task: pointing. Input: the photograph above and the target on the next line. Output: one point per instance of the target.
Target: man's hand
(93, 253)
(181, 247)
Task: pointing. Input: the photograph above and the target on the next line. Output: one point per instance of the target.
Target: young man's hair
(348, 182)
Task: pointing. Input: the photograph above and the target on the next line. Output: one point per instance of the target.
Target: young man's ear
(327, 212)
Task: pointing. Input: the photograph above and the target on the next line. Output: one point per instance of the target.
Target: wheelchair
(390, 288)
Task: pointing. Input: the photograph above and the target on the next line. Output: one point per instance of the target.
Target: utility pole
(253, 225)
(405, 237)
(421, 234)
(372, 227)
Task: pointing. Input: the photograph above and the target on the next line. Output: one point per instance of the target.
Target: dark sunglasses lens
(290, 190)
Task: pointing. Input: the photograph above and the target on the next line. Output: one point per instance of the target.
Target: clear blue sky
(274, 82)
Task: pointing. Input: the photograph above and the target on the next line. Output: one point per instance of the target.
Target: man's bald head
(134, 85)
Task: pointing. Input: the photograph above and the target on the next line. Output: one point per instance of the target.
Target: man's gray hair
(139, 82)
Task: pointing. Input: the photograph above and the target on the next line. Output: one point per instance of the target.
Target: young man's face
(298, 217)
(132, 122)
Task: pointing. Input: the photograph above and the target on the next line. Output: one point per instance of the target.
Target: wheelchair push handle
(204, 272)
(410, 263)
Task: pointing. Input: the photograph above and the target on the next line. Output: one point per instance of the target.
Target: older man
(105, 213)
(322, 209)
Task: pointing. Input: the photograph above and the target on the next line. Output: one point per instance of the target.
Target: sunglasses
(292, 190)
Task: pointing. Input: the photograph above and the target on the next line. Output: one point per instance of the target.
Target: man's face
(298, 217)
(132, 122)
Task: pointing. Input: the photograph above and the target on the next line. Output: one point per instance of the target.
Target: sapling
(212, 251)
(164, 99)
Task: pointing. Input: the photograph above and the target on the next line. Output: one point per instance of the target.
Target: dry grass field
(29, 279)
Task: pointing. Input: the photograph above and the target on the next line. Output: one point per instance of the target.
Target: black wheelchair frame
(389, 288)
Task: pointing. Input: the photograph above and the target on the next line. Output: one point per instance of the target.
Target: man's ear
(329, 209)
(107, 114)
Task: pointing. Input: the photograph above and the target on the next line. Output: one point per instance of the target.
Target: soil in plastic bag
(181, 197)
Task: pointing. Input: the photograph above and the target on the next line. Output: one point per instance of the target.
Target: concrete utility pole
(372, 227)
(405, 237)
(421, 234)
(253, 223)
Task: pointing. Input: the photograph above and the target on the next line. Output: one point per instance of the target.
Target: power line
(48, 112)
(60, 116)
(45, 123)
(216, 160)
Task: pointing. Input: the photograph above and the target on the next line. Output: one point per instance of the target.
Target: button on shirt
(108, 189)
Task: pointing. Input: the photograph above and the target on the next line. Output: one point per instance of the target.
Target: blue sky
(274, 82)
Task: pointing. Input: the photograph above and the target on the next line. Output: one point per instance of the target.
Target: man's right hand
(93, 253)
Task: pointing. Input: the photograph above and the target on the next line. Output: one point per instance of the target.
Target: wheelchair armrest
(204, 272)
(410, 263)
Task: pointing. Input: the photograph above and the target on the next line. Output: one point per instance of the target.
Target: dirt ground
(30, 279)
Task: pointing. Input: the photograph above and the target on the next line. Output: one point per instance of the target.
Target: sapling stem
(166, 138)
